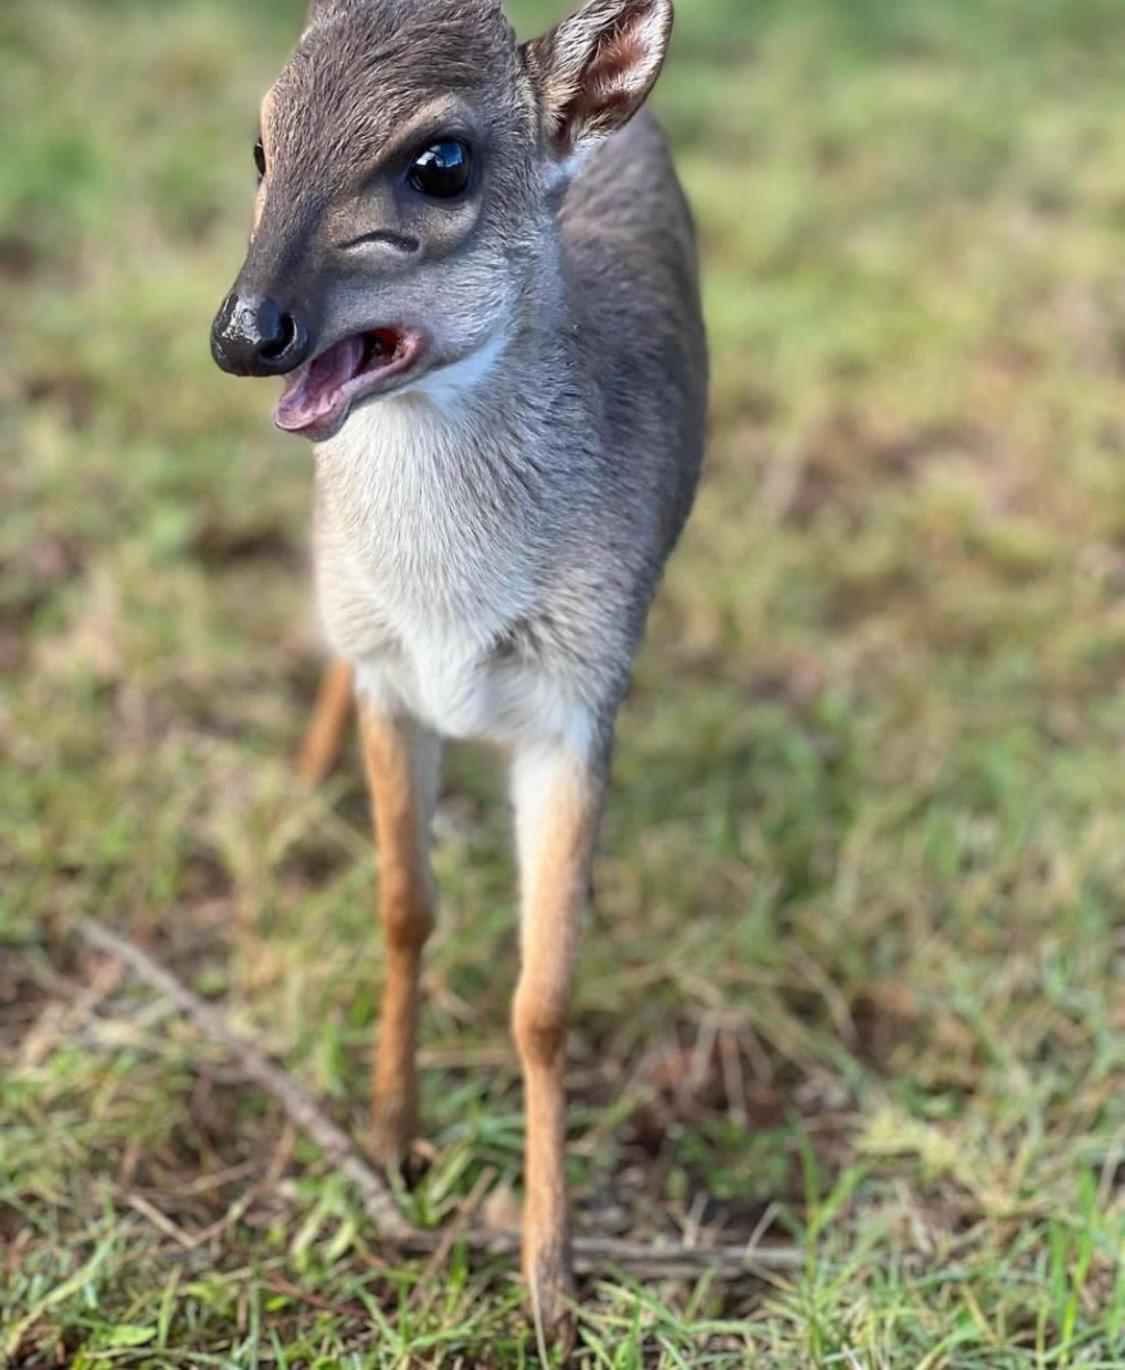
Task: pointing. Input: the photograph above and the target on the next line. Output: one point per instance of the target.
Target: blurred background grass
(853, 977)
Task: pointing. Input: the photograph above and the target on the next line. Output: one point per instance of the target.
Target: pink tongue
(314, 390)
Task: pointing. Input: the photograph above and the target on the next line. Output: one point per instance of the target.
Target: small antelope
(477, 273)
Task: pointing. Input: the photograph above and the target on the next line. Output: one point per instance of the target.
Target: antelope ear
(593, 71)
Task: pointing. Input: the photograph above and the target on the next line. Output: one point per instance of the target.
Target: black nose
(253, 336)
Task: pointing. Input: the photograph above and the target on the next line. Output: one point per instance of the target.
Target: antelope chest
(424, 568)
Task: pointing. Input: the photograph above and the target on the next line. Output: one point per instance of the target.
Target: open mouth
(320, 394)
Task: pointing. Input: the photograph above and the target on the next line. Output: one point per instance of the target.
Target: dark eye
(442, 170)
(260, 159)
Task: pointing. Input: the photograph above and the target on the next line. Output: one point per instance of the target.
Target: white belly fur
(462, 696)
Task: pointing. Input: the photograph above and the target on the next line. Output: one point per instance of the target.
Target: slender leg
(324, 736)
(557, 796)
(402, 760)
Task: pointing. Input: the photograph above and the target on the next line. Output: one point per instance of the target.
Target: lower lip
(362, 386)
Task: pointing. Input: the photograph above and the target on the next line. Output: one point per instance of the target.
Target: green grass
(854, 975)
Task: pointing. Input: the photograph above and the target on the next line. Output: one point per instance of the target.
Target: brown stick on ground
(324, 735)
(377, 1198)
(591, 1253)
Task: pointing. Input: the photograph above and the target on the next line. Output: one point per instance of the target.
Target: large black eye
(442, 171)
(260, 159)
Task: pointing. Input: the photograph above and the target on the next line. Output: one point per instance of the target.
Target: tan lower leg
(400, 761)
(557, 801)
(324, 736)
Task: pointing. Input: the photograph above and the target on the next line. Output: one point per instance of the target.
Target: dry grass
(853, 978)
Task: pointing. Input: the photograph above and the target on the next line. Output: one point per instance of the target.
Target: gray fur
(569, 476)
(492, 523)
(546, 501)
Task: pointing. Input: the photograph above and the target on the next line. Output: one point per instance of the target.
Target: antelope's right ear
(593, 72)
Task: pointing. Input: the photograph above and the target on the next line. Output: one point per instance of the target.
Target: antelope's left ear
(593, 71)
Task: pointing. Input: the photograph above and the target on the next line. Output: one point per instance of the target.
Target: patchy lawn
(853, 978)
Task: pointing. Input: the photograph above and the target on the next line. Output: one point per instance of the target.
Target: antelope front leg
(324, 734)
(402, 761)
(557, 797)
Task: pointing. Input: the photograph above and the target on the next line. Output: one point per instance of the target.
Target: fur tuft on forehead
(321, 11)
(426, 29)
(363, 66)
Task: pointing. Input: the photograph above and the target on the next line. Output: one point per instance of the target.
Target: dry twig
(590, 1253)
(300, 1108)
